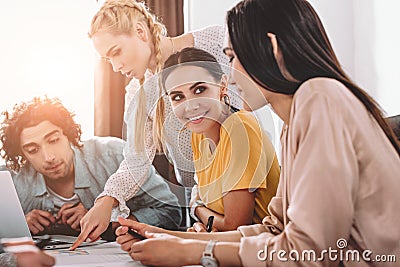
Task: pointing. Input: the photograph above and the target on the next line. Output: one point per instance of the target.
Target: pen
(210, 223)
(135, 234)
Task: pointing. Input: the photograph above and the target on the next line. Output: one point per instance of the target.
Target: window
(45, 50)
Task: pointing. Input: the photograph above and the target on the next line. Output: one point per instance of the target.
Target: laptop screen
(12, 219)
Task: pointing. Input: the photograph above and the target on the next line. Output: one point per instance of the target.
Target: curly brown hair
(29, 114)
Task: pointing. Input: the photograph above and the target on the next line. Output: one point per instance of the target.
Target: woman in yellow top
(235, 162)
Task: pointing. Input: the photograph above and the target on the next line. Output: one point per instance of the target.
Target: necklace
(172, 45)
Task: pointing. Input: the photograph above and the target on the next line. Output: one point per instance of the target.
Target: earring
(227, 100)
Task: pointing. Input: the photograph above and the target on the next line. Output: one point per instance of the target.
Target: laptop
(12, 218)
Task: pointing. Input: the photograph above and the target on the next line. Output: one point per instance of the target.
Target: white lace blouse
(126, 182)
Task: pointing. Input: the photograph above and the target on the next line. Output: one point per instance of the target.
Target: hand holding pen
(210, 223)
(71, 214)
(200, 227)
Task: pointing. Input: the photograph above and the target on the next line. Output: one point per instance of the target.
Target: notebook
(12, 218)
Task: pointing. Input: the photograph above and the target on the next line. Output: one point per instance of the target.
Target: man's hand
(38, 220)
(71, 215)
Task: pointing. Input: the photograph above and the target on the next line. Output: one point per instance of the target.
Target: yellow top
(243, 159)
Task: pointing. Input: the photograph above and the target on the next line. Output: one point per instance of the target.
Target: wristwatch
(208, 259)
(197, 203)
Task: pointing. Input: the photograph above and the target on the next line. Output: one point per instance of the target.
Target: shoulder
(324, 94)
(240, 118)
(27, 174)
(211, 39)
(102, 145)
(209, 31)
(322, 88)
(241, 126)
(328, 102)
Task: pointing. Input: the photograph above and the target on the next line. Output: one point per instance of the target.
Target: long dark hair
(303, 43)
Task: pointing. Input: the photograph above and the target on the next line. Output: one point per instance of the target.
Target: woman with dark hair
(340, 161)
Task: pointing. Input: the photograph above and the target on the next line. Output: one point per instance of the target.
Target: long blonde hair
(119, 17)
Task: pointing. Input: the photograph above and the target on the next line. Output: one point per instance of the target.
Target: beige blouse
(338, 195)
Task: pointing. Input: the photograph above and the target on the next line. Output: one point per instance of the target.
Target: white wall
(45, 50)
(202, 13)
(364, 34)
(337, 17)
(365, 37)
(386, 53)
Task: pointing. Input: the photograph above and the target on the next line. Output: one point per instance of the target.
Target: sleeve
(247, 169)
(7, 260)
(155, 204)
(167, 217)
(133, 170)
(320, 185)
(272, 223)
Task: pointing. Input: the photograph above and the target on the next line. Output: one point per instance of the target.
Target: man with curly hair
(58, 177)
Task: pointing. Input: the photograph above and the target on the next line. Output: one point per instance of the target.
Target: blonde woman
(127, 35)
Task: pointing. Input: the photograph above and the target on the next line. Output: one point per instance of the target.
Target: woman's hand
(200, 227)
(96, 221)
(34, 259)
(125, 239)
(27, 254)
(167, 250)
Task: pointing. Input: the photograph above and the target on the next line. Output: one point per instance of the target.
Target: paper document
(107, 254)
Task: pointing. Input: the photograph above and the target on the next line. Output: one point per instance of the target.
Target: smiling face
(128, 53)
(196, 98)
(48, 150)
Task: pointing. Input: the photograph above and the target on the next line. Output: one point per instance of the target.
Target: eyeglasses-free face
(195, 96)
